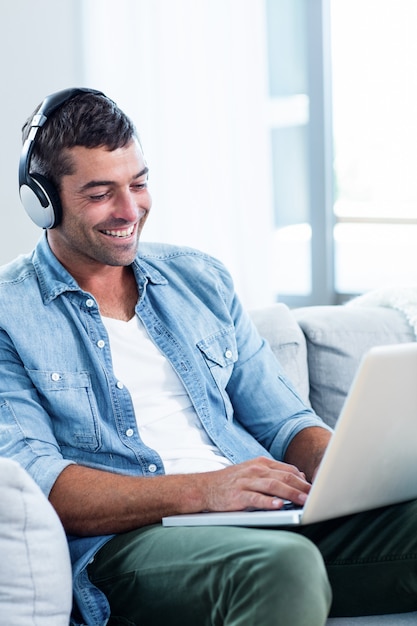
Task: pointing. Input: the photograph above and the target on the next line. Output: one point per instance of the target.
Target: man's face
(105, 203)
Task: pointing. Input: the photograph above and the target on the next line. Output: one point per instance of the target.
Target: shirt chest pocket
(69, 400)
(219, 351)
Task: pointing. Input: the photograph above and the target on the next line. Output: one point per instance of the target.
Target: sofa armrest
(35, 568)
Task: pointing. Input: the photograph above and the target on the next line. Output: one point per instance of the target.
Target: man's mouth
(126, 232)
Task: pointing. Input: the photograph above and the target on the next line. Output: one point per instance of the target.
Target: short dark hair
(87, 119)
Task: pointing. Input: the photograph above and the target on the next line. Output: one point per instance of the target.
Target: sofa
(319, 347)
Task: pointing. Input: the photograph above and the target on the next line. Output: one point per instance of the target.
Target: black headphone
(38, 195)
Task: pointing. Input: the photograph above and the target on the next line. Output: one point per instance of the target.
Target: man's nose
(126, 206)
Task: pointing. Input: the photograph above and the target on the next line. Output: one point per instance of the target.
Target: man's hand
(260, 483)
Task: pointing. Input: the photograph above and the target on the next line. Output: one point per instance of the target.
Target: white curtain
(192, 74)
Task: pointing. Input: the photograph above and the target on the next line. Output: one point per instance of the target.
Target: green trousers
(232, 576)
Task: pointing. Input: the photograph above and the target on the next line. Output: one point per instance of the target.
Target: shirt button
(152, 468)
(129, 432)
(101, 343)
(89, 303)
(119, 384)
(228, 354)
(55, 376)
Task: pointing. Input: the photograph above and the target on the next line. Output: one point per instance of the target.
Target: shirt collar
(54, 279)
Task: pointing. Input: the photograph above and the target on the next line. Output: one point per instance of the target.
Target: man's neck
(115, 290)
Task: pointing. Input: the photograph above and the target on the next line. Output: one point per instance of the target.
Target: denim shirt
(60, 402)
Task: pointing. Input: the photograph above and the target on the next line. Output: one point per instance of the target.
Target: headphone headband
(38, 195)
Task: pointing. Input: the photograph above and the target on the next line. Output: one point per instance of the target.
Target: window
(343, 88)
(299, 104)
(375, 143)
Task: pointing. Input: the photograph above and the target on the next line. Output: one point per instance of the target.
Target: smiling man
(102, 218)
(133, 386)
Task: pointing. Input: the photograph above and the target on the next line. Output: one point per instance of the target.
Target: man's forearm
(307, 448)
(95, 502)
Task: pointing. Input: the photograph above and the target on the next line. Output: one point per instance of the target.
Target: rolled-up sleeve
(264, 400)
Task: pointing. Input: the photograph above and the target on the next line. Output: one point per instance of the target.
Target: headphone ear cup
(41, 201)
(39, 196)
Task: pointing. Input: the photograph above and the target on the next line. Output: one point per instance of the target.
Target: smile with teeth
(120, 233)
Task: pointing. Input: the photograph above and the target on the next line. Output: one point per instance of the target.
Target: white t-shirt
(165, 416)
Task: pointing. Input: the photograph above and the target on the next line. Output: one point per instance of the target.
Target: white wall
(193, 76)
(40, 52)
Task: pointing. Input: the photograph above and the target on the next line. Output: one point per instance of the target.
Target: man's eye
(98, 197)
(140, 186)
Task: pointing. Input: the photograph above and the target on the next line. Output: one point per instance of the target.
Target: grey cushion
(35, 570)
(278, 326)
(337, 337)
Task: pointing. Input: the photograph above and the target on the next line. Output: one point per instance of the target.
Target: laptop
(371, 460)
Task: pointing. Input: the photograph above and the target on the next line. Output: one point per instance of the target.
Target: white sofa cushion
(35, 570)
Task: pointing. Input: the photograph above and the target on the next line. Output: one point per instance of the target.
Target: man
(134, 386)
